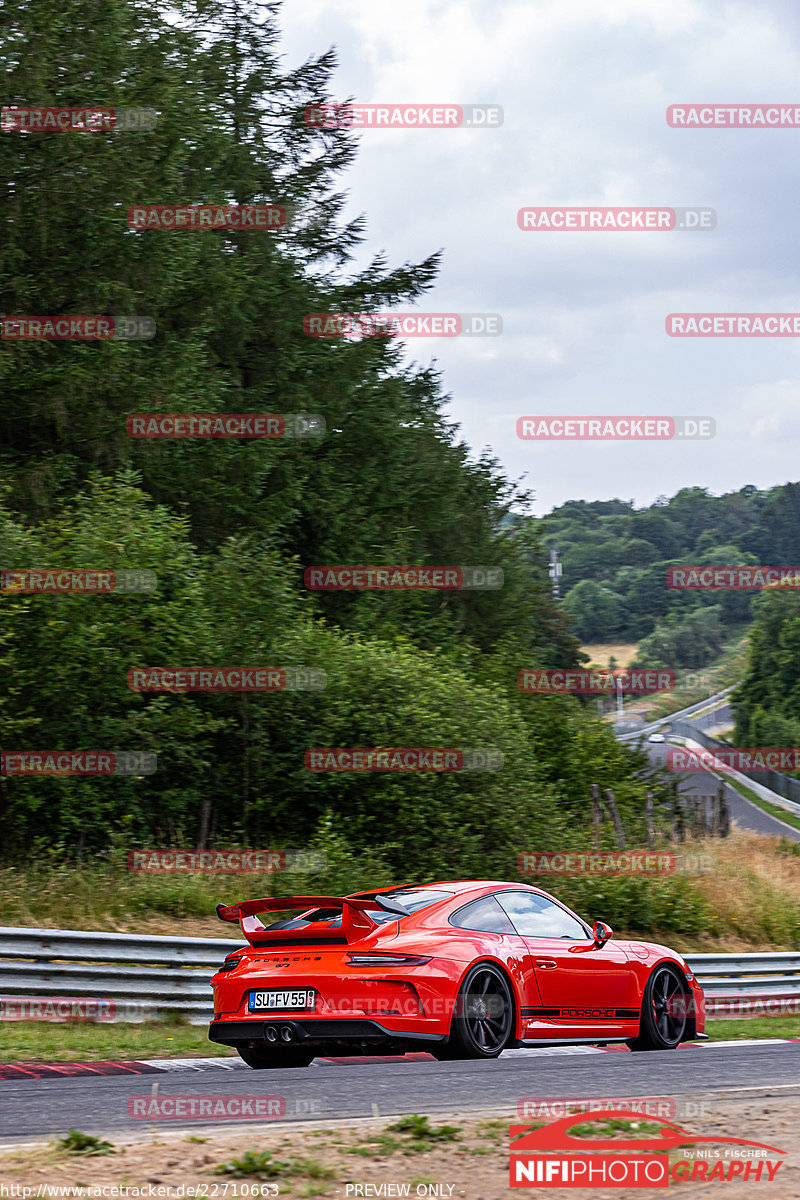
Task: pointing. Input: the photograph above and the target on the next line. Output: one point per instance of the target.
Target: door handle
(547, 964)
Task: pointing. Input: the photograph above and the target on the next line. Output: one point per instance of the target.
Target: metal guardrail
(656, 726)
(140, 977)
(784, 785)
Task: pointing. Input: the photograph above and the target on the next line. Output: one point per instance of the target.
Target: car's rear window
(411, 898)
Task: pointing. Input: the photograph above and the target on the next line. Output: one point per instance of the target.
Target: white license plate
(272, 1001)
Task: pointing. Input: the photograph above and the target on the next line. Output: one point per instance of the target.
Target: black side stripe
(599, 1014)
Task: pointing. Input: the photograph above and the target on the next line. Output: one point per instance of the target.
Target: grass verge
(41, 1041)
(44, 1041)
(753, 1027)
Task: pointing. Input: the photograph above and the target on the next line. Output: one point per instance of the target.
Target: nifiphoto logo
(569, 1152)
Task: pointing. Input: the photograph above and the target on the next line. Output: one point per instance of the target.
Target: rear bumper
(312, 1032)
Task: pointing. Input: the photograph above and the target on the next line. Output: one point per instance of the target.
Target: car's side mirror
(601, 933)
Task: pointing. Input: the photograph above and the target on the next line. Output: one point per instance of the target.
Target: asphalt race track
(745, 814)
(351, 1090)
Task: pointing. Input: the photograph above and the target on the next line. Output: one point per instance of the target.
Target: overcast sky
(585, 85)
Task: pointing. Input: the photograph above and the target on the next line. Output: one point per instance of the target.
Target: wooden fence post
(724, 811)
(678, 819)
(596, 815)
(651, 829)
(615, 817)
(205, 812)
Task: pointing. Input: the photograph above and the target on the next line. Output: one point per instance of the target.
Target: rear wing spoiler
(356, 921)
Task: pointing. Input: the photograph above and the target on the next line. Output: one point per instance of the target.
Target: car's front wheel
(483, 1021)
(263, 1059)
(664, 1012)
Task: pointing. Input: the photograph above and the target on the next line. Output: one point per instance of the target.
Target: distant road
(743, 812)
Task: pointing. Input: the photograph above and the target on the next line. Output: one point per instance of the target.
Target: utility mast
(555, 571)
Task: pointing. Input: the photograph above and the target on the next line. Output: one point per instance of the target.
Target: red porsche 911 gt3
(463, 970)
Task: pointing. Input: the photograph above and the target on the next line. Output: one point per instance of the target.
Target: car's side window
(484, 916)
(536, 916)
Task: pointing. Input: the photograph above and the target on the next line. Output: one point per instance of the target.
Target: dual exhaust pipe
(285, 1034)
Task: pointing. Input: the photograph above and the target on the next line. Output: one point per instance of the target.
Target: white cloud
(585, 86)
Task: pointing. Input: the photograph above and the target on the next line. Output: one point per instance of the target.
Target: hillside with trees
(229, 526)
(615, 559)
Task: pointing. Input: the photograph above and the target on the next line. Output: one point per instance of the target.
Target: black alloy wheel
(665, 1010)
(483, 1021)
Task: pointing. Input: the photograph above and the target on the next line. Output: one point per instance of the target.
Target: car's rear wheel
(483, 1021)
(266, 1059)
(665, 1006)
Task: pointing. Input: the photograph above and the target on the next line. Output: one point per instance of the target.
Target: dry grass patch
(602, 652)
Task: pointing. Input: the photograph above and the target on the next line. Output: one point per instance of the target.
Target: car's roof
(449, 885)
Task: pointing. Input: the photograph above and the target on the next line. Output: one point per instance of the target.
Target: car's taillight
(387, 960)
(229, 965)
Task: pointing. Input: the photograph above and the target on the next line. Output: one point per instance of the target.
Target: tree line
(229, 526)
